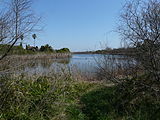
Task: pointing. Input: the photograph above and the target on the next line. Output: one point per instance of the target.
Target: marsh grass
(40, 97)
(66, 97)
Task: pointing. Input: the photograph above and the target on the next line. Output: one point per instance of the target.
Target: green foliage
(15, 50)
(21, 44)
(98, 104)
(117, 51)
(34, 36)
(60, 97)
(75, 113)
(109, 103)
(3, 48)
(26, 99)
(19, 50)
(63, 50)
(41, 98)
(46, 48)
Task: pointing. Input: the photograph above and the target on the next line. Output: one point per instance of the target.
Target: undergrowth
(39, 98)
(61, 97)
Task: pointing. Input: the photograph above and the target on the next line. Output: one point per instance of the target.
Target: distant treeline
(19, 49)
(116, 51)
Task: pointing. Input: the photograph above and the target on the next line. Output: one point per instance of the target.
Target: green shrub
(110, 103)
(46, 48)
(18, 50)
(63, 50)
(26, 99)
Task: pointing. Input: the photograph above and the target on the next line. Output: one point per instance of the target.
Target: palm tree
(21, 37)
(34, 36)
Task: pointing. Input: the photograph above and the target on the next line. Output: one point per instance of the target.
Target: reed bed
(40, 56)
(15, 63)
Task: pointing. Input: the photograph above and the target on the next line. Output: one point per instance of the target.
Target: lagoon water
(85, 63)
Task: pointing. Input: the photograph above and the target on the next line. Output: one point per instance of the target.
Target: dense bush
(3, 48)
(46, 48)
(63, 50)
(15, 49)
(138, 28)
(30, 49)
(109, 103)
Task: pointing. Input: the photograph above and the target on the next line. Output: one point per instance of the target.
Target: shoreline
(40, 56)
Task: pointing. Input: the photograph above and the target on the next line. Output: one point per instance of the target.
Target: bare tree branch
(17, 21)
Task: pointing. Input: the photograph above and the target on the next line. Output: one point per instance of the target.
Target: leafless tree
(140, 28)
(4, 25)
(19, 20)
(115, 68)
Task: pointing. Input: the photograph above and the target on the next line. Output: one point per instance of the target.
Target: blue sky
(78, 24)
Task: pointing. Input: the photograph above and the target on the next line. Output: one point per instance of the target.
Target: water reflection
(64, 61)
(86, 63)
(45, 66)
(46, 63)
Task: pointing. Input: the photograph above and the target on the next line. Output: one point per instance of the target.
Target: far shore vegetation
(111, 51)
(20, 50)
